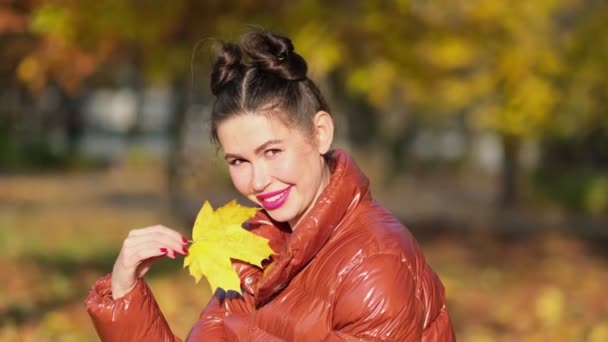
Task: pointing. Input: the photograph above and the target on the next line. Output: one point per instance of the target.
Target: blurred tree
(576, 153)
(498, 63)
(518, 69)
(491, 60)
(153, 40)
(585, 83)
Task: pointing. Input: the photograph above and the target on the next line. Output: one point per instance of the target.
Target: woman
(344, 268)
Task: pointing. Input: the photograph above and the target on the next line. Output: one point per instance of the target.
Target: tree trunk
(509, 194)
(176, 141)
(74, 122)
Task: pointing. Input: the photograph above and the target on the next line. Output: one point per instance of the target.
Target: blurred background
(482, 124)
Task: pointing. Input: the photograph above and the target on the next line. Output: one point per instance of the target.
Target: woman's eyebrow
(266, 144)
(231, 155)
(257, 150)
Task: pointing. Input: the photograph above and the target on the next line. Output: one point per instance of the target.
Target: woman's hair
(270, 80)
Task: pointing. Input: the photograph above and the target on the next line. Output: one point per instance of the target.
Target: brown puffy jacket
(350, 271)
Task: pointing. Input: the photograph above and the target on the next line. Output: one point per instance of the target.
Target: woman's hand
(140, 250)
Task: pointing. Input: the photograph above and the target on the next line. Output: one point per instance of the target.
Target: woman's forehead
(239, 124)
(248, 131)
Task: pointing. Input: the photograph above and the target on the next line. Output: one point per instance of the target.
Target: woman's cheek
(239, 180)
(286, 169)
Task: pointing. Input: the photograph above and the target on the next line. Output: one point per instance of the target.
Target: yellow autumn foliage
(219, 237)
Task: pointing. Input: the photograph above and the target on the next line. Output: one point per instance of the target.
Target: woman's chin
(279, 215)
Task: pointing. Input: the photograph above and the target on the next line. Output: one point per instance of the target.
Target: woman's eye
(272, 152)
(235, 162)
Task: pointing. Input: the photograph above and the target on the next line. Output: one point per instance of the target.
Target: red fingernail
(163, 250)
(184, 239)
(185, 249)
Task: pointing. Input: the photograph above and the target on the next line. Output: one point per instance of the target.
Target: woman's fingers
(160, 233)
(134, 256)
(140, 249)
(145, 265)
(160, 230)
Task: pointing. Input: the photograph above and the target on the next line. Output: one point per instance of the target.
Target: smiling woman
(343, 267)
(277, 166)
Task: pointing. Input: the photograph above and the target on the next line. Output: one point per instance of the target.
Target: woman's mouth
(275, 199)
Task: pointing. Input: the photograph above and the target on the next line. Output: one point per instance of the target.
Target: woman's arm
(123, 308)
(121, 304)
(212, 324)
(137, 317)
(132, 317)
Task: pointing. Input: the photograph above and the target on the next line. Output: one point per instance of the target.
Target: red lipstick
(275, 199)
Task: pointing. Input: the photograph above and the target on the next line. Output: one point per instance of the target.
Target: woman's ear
(324, 130)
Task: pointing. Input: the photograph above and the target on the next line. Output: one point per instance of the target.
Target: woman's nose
(260, 179)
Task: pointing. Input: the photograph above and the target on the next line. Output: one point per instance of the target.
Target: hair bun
(274, 53)
(227, 67)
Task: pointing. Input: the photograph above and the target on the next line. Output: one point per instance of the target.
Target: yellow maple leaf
(218, 237)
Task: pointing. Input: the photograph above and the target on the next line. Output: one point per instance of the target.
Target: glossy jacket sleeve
(214, 321)
(379, 300)
(133, 317)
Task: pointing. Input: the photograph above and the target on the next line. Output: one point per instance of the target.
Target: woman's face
(275, 166)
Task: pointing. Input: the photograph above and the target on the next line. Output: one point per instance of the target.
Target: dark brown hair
(271, 80)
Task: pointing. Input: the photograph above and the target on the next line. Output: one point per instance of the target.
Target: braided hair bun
(227, 68)
(264, 72)
(274, 53)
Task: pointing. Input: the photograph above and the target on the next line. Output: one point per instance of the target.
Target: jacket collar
(346, 188)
